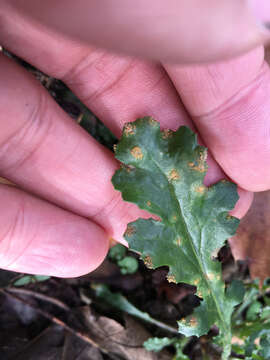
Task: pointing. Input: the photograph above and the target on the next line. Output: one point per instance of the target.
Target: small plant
(127, 264)
(28, 279)
(162, 172)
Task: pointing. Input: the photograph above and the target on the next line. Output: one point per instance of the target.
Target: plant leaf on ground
(158, 344)
(127, 264)
(251, 322)
(118, 301)
(163, 173)
(28, 279)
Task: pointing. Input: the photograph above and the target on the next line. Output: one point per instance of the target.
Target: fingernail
(261, 11)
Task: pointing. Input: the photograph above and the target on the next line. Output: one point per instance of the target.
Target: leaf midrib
(189, 236)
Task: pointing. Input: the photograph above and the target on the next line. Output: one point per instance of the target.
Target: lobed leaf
(163, 173)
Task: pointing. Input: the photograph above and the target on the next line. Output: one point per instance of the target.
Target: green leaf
(118, 301)
(163, 173)
(253, 311)
(157, 344)
(40, 278)
(117, 252)
(179, 345)
(25, 280)
(128, 265)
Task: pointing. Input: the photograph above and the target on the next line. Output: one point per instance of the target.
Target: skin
(59, 218)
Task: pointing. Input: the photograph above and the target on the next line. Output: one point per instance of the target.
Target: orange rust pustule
(129, 129)
(171, 278)
(130, 230)
(193, 322)
(201, 189)
(174, 175)
(148, 262)
(201, 167)
(166, 134)
(136, 152)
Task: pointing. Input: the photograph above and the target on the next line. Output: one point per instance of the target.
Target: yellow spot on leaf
(193, 322)
(201, 189)
(201, 165)
(166, 134)
(152, 121)
(211, 276)
(173, 218)
(178, 241)
(130, 230)
(171, 278)
(136, 152)
(199, 293)
(196, 282)
(148, 203)
(174, 175)
(128, 168)
(148, 262)
(129, 129)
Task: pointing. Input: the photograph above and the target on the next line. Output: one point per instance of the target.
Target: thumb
(176, 31)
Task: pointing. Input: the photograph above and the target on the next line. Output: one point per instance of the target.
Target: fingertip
(83, 253)
(243, 204)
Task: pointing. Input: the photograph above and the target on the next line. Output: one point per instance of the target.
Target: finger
(39, 238)
(116, 89)
(229, 102)
(157, 30)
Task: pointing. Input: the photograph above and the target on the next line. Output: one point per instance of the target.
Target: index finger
(170, 32)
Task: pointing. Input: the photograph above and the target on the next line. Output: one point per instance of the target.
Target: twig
(40, 296)
(61, 323)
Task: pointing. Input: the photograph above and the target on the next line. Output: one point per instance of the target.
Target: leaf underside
(162, 172)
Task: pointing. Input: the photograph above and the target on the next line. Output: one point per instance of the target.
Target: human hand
(64, 231)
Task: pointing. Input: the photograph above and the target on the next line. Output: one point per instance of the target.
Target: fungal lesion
(201, 162)
(193, 322)
(152, 121)
(166, 134)
(173, 175)
(171, 278)
(127, 168)
(148, 262)
(129, 129)
(130, 230)
(201, 189)
(137, 153)
(178, 241)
